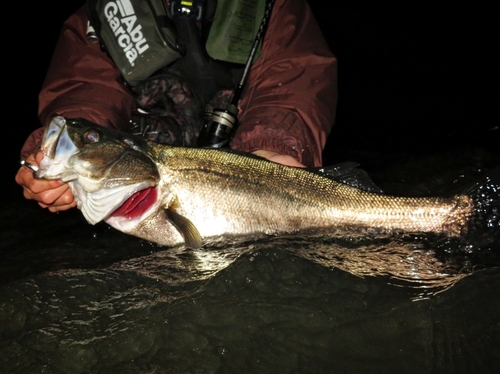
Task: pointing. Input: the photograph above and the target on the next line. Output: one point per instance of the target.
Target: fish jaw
(57, 148)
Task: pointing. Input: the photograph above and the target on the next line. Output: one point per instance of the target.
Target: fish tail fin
(484, 225)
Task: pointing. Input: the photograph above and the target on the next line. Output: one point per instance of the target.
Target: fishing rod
(218, 131)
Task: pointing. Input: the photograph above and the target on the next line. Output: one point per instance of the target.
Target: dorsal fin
(348, 173)
(191, 235)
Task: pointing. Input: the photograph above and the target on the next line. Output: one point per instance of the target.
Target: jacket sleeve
(81, 82)
(290, 98)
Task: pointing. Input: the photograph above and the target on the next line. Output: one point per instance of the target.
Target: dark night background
(415, 79)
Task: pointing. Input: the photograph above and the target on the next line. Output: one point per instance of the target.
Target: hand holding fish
(54, 195)
(278, 158)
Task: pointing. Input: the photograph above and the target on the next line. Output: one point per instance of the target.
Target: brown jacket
(288, 106)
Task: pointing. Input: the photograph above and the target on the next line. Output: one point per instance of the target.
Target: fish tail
(484, 225)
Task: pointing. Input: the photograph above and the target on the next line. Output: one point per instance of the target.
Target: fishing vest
(180, 59)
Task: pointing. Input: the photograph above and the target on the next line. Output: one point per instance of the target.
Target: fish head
(108, 171)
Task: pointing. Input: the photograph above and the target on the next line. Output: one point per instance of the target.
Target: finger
(38, 157)
(287, 160)
(63, 202)
(42, 186)
(32, 186)
(59, 196)
(278, 158)
(59, 208)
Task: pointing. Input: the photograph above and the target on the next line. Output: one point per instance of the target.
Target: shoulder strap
(195, 66)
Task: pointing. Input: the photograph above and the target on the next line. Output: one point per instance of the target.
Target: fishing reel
(219, 127)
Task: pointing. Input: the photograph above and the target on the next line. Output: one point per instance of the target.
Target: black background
(411, 78)
(414, 78)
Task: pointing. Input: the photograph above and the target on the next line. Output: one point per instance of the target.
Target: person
(286, 111)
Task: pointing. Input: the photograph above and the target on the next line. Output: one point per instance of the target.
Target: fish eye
(91, 136)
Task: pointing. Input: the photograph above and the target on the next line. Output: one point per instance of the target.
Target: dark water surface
(76, 298)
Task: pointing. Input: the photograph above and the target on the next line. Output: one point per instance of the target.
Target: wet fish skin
(190, 195)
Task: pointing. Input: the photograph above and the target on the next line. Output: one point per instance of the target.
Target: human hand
(54, 195)
(278, 158)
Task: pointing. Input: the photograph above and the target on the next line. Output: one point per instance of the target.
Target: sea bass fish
(176, 195)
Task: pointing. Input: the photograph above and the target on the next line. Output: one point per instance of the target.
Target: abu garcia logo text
(123, 22)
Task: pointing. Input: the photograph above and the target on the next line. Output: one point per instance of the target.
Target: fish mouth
(57, 148)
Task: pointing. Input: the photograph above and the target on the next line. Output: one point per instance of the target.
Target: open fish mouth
(57, 148)
(98, 195)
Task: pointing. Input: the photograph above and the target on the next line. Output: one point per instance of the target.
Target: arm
(81, 82)
(289, 104)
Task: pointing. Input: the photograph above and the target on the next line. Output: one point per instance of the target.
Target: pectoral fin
(191, 235)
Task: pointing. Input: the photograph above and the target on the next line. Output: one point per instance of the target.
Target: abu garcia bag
(140, 36)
